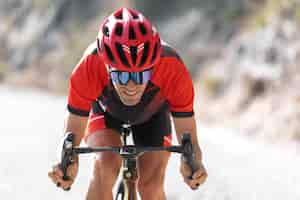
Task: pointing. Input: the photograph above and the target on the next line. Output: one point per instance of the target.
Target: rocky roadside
(254, 86)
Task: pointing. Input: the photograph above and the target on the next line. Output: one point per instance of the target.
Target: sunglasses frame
(116, 78)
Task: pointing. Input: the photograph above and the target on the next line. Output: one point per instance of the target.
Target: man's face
(131, 93)
(130, 86)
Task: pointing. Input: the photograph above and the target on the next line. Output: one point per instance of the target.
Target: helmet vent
(105, 31)
(133, 53)
(122, 54)
(119, 30)
(145, 54)
(132, 35)
(119, 15)
(142, 29)
(109, 53)
(134, 16)
(154, 53)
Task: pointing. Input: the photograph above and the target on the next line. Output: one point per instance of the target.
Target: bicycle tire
(120, 192)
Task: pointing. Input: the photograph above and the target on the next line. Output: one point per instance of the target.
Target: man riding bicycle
(128, 75)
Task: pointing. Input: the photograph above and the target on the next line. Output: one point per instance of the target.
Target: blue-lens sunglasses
(123, 77)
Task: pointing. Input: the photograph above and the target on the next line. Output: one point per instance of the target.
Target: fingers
(65, 184)
(56, 175)
(198, 178)
(58, 181)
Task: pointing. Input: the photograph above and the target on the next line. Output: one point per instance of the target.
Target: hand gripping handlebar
(69, 152)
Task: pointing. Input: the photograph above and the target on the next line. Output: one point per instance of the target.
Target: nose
(131, 84)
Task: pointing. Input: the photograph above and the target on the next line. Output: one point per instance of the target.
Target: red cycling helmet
(128, 42)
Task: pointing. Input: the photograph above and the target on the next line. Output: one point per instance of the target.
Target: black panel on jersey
(97, 109)
(95, 51)
(183, 114)
(79, 112)
(168, 51)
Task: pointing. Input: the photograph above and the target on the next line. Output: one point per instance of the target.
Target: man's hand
(56, 175)
(198, 178)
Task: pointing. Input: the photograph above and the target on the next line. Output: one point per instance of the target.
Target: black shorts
(154, 132)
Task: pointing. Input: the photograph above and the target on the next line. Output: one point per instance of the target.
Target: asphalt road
(239, 168)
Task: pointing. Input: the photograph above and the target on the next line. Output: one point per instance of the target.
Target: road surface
(31, 123)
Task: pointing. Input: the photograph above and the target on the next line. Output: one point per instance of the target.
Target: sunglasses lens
(123, 77)
(146, 76)
(141, 77)
(135, 76)
(114, 76)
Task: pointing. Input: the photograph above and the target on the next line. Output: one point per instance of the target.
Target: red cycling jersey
(170, 87)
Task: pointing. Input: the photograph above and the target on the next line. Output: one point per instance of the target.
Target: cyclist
(128, 75)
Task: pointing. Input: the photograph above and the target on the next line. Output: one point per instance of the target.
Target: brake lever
(67, 155)
(188, 153)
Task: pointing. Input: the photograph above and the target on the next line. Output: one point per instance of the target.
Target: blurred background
(243, 56)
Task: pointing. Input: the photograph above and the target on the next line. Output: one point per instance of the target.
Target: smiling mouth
(130, 93)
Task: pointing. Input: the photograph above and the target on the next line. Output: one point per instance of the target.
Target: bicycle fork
(127, 186)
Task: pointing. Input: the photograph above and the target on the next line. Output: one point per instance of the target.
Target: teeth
(131, 93)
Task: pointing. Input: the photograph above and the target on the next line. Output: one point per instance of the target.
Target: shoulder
(170, 63)
(90, 66)
(91, 50)
(168, 51)
(170, 67)
(90, 56)
(90, 59)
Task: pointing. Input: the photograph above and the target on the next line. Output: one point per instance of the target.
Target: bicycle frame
(127, 186)
(129, 153)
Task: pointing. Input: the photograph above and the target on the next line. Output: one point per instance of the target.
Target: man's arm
(77, 125)
(188, 125)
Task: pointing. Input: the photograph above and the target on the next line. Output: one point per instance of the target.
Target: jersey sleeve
(181, 90)
(83, 87)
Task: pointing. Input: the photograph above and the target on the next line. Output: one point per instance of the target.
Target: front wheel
(120, 192)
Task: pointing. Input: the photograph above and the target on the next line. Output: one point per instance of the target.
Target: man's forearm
(77, 125)
(195, 143)
(188, 125)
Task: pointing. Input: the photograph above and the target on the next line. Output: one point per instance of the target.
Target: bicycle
(129, 153)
